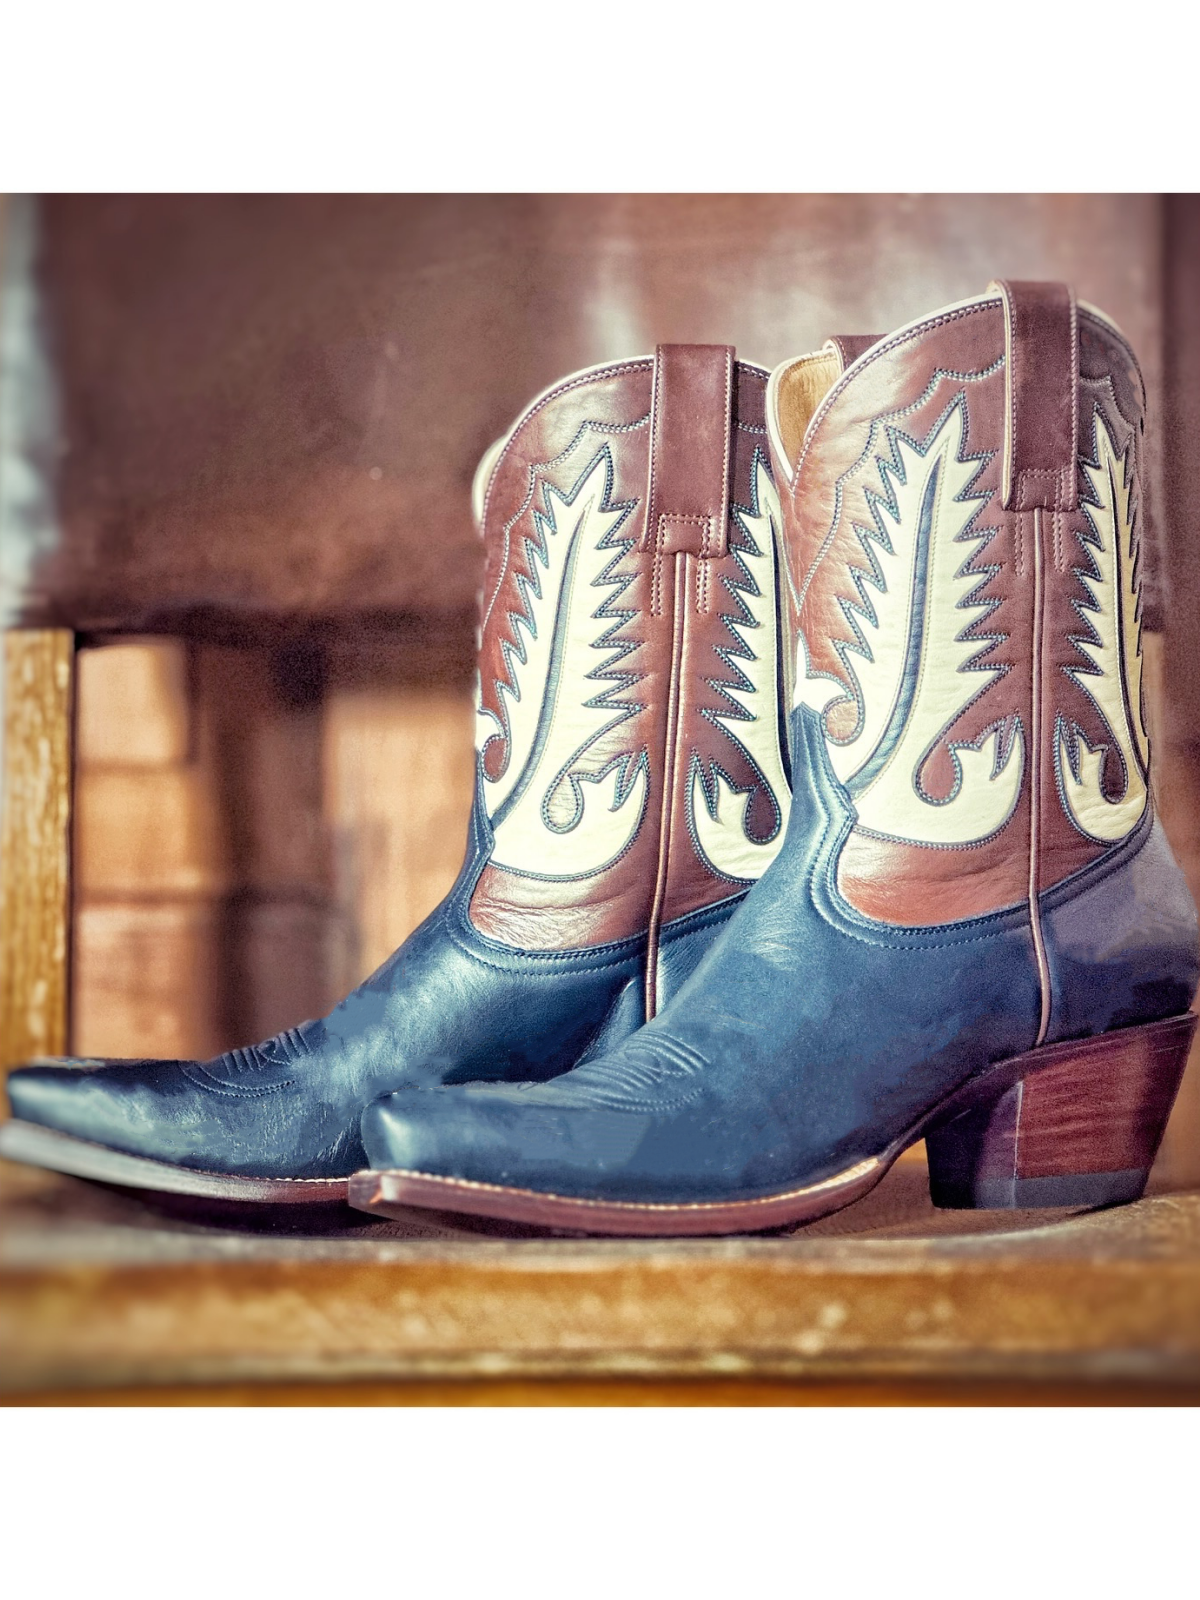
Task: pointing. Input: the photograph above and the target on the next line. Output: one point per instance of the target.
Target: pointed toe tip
(45, 1092)
(102, 1102)
(395, 1136)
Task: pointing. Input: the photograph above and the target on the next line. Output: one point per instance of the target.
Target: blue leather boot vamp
(809, 1037)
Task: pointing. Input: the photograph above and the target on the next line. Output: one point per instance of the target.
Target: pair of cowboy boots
(812, 819)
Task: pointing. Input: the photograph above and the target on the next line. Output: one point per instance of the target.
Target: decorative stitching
(730, 654)
(1045, 983)
(1094, 872)
(882, 421)
(538, 469)
(726, 433)
(596, 375)
(912, 936)
(621, 615)
(696, 766)
(842, 916)
(465, 935)
(1009, 495)
(858, 642)
(682, 516)
(652, 535)
(876, 353)
(1060, 477)
(1074, 364)
(623, 791)
(1106, 330)
(1067, 731)
(571, 958)
(670, 751)
(628, 1085)
(205, 1081)
(1018, 726)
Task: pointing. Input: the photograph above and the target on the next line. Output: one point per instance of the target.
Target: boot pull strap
(1041, 386)
(691, 423)
(849, 346)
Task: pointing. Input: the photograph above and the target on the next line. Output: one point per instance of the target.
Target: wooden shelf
(107, 1294)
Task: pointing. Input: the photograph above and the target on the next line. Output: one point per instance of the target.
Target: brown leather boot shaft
(630, 718)
(962, 520)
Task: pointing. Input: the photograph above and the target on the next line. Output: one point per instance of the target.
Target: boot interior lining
(800, 390)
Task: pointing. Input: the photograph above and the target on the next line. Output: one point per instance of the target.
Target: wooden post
(35, 840)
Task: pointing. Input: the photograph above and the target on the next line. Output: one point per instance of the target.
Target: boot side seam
(1035, 777)
(670, 760)
(570, 957)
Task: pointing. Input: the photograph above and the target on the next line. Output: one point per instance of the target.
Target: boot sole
(62, 1152)
(1098, 1150)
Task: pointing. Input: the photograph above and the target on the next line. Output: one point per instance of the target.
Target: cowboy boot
(631, 783)
(975, 932)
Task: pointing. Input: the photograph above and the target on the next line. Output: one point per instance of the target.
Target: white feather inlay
(915, 669)
(721, 831)
(564, 820)
(1114, 647)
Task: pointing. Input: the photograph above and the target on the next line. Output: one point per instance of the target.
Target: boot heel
(1080, 1127)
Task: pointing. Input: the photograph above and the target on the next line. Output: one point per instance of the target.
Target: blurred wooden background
(261, 421)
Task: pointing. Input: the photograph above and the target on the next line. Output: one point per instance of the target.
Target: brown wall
(273, 405)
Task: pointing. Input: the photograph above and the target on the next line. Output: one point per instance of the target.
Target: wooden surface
(631, 1392)
(35, 844)
(102, 1291)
